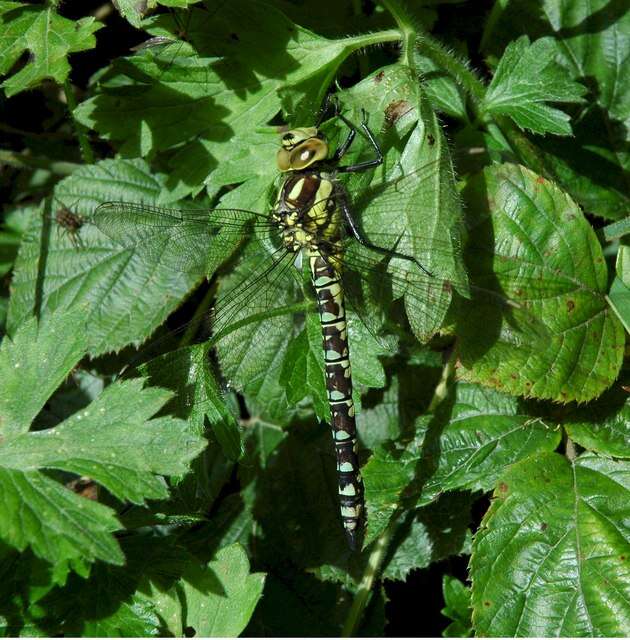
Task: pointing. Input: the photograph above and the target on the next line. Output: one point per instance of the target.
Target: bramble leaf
(551, 555)
(464, 448)
(546, 258)
(604, 425)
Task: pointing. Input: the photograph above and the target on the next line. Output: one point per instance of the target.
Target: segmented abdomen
(339, 387)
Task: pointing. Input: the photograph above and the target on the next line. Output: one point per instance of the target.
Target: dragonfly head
(301, 148)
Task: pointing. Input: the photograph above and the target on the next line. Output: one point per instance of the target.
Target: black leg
(342, 199)
(341, 152)
(368, 164)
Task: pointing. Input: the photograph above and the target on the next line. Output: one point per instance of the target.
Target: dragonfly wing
(181, 239)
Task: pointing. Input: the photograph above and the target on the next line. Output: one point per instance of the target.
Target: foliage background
(500, 500)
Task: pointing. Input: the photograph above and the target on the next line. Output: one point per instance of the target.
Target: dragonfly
(312, 225)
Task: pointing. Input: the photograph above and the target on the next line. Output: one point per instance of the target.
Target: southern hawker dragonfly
(352, 261)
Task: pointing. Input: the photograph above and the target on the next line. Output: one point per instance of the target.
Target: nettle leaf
(252, 356)
(127, 292)
(546, 257)
(38, 359)
(526, 79)
(417, 183)
(207, 106)
(441, 89)
(465, 447)
(603, 426)
(551, 555)
(46, 36)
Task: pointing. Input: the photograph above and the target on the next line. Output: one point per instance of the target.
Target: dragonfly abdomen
(332, 314)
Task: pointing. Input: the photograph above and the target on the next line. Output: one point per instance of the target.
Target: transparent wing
(181, 239)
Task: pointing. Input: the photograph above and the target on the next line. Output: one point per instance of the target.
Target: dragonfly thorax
(306, 211)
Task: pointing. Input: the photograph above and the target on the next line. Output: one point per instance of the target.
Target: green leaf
(208, 107)
(58, 525)
(593, 48)
(526, 79)
(46, 36)
(432, 533)
(114, 442)
(604, 425)
(302, 372)
(186, 371)
(13, 227)
(216, 600)
(458, 609)
(298, 602)
(463, 447)
(38, 359)
(619, 299)
(617, 229)
(111, 441)
(425, 198)
(441, 89)
(251, 356)
(117, 601)
(127, 292)
(550, 558)
(547, 259)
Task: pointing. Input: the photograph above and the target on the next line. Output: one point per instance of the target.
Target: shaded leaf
(465, 445)
(604, 425)
(126, 295)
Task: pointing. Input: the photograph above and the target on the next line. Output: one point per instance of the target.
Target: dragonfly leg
(358, 235)
(367, 164)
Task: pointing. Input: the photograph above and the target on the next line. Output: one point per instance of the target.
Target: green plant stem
(370, 39)
(456, 67)
(407, 30)
(24, 161)
(84, 143)
(371, 573)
